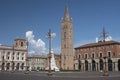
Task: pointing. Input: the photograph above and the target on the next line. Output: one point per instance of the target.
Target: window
(16, 44)
(8, 54)
(93, 56)
(109, 54)
(85, 56)
(22, 58)
(64, 35)
(8, 57)
(79, 56)
(3, 58)
(100, 55)
(18, 53)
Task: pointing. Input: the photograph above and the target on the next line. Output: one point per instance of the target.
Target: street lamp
(105, 72)
(27, 71)
(49, 36)
(12, 61)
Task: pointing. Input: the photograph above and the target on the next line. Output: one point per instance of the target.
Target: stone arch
(118, 64)
(86, 65)
(79, 64)
(7, 66)
(101, 64)
(22, 66)
(3, 66)
(13, 65)
(74, 66)
(17, 66)
(109, 65)
(93, 65)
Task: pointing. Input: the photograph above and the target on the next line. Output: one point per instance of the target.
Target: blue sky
(89, 17)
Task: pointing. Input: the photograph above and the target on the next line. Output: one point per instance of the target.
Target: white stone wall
(34, 63)
(9, 59)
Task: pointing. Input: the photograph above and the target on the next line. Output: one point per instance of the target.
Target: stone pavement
(59, 76)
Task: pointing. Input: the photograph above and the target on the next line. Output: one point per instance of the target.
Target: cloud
(109, 38)
(52, 35)
(35, 46)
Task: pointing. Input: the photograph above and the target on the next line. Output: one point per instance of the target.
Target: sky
(32, 19)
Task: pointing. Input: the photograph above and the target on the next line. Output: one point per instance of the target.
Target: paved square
(59, 76)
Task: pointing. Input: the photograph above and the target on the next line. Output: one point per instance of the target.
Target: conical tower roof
(66, 15)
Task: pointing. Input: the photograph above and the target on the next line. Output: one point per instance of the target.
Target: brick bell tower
(20, 44)
(67, 42)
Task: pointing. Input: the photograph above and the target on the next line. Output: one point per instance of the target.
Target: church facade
(14, 57)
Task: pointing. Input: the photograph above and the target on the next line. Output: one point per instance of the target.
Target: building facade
(90, 57)
(66, 42)
(14, 57)
(37, 62)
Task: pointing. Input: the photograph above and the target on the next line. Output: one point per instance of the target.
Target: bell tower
(20, 44)
(67, 42)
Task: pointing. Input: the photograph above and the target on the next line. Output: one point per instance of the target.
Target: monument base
(49, 73)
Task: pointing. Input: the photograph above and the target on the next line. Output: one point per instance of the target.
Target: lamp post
(49, 36)
(27, 71)
(105, 72)
(12, 61)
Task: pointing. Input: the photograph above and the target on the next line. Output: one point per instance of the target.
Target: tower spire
(66, 15)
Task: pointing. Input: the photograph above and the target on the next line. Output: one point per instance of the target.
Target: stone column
(96, 66)
(0, 65)
(82, 67)
(116, 66)
(5, 67)
(89, 67)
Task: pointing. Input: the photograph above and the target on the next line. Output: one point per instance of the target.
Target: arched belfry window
(64, 35)
(21, 44)
(16, 43)
(65, 26)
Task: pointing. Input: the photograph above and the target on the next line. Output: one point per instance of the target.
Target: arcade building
(14, 57)
(90, 57)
